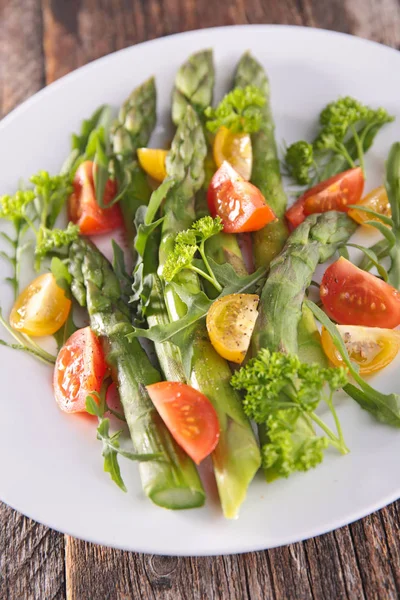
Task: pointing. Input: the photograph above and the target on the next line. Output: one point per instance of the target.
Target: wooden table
(41, 40)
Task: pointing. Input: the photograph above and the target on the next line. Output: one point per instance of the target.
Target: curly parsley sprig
(187, 244)
(347, 130)
(282, 393)
(239, 111)
(15, 210)
(37, 210)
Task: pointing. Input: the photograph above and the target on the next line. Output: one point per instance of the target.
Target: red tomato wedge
(79, 370)
(336, 193)
(189, 416)
(240, 204)
(353, 297)
(83, 209)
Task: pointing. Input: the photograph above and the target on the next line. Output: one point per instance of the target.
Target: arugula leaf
(61, 274)
(99, 118)
(25, 344)
(101, 163)
(96, 405)
(372, 257)
(145, 215)
(198, 305)
(145, 226)
(384, 407)
(64, 280)
(197, 308)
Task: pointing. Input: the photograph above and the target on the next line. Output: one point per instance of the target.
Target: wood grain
(40, 41)
(21, 56)
(31, 559)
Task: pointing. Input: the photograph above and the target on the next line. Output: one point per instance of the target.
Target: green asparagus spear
(269, 241)
(172, 482)
(289, 444)
(194, 85)
(236, 458)
(313, 242)
(132, 130)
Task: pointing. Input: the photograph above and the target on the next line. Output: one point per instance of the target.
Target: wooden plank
(21, 58)
(31, 559)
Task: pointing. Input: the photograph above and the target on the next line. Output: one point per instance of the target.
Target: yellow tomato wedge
(230, 323)
(372, 348)
(376, 200)
(234, 148)
(153, 162)
(42, 308)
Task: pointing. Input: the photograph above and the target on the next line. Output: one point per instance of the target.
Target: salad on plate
(207, 335)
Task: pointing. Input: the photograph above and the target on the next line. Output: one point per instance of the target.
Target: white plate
(51, 465)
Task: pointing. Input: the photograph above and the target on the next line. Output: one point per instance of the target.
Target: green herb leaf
(25, 344)
(387, 220)
(347, 131)
(385, 231)
(187, 244)
(370, 254)
(61, 274)
(299, 161)
(49, 240)
(282, 394)
(96, 405)
(384, 407)
(51, 193)
(99, 118)
(198, 304)
(100, 172)
(63, 279)
(145, 225)
(197, 308)
(239, 111)
(92, 406)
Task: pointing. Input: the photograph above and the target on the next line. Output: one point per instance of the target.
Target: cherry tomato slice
(83, 209)
(240, 204)
(353, 297)
(236, 149)
(372, 348)
(230, 324)
(153, 162)
(41, 309)
(79, 370)
(376, 200)
(336, 193)
(189, 416)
